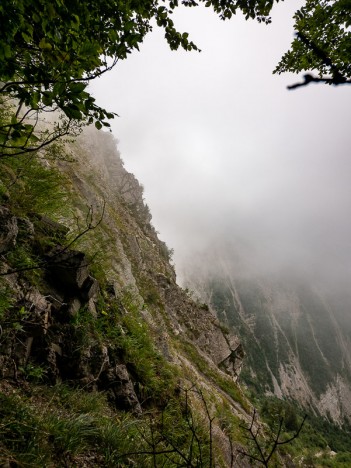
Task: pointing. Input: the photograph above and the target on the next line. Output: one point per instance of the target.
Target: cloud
(227, 155)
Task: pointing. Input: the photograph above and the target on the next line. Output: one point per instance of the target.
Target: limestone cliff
(294, 333)
(90, 299)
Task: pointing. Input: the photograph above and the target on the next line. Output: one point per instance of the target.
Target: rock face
(43, 333)
(233, 363)
(117, 382)
(67, 268)
(295, 336)
(138, 260)
(45, 315)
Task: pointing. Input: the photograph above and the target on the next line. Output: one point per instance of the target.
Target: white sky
(224, 150)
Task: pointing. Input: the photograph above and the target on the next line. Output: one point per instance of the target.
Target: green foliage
(33, 373)
(22, 258)
(19, 432)
(155, 378)
(46, 428)
(327, 460)
(338, 438)
(50, 51)
(226, 383)
(33, 185)
(60, 426)
(323, 40)
(317, 438)
(273, 410)
(121, 326)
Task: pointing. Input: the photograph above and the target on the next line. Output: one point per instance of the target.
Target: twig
(337, 78)
(46, 263)
(262, 458)
(308, 78)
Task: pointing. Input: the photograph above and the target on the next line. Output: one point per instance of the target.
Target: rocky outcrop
(68, 269)
(40, 332)
(120, 389)
(140, 261)
(43, 330)
(233, 363)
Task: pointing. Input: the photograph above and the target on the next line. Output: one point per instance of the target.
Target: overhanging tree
(49, 51)
(322, 44)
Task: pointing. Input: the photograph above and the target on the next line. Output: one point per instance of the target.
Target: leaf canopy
(323, 41)
(49, 51)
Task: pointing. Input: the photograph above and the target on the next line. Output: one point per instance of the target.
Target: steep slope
(295, 334)
(89, 300)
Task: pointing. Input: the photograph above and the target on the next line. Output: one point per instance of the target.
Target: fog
(228, 156)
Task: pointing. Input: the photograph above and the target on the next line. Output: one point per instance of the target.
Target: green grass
(218, 378)
(62, 426)
(121, 326)
(34, 186)
(53, 425)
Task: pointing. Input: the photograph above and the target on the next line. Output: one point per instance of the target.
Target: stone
(163, 281)
(120, 388)
(73, 306)
(89, 289)
(92, 308)
(68, 269)
(232, 364)
(56, 348)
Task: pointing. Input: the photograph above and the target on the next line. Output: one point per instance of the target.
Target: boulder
(120, 388)
(232, 364)
(68, 269)
(90, 288)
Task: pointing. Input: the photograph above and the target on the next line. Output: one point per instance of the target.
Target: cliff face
(295, 335)
(137, 260)
(89, 298)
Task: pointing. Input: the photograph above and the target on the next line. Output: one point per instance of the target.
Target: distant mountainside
(296, 335)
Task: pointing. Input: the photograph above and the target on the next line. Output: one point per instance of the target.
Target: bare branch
(262, 458)
(308, 78)
(336, 79)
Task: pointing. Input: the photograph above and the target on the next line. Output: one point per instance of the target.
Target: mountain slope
(295, 334)
(89, 303)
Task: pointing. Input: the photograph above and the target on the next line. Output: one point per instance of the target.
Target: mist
(231, 161)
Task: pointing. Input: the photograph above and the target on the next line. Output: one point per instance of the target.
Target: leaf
(59, 88)
(47, 98)
(45, 45)
(98, 125)
(77, 88)
(7, 53)
(34, 100)
(72, 112)
(27, 37)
